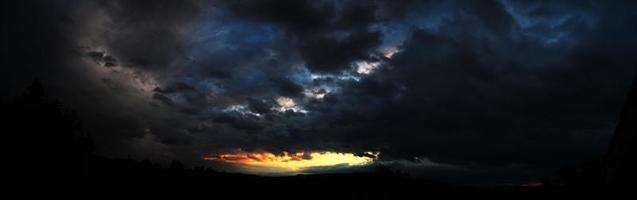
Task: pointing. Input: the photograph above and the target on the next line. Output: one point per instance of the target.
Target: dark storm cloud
(102, 59)
(455, 99)
(493, 16)
(148, 34)
(328, 35)
(259, 106)
(490, 87)
(287, 87)
(471, 87)
(214, 73)
(164, 99)
(175, 87)
(241, 122)
(54, 40)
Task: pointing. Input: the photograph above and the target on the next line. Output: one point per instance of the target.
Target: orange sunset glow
(287, 162)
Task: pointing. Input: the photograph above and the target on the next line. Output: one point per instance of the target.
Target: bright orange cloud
(291, 162)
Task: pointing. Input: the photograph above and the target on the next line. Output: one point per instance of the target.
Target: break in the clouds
(467, 88)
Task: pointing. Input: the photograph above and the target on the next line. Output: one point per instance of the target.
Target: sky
(493, 91)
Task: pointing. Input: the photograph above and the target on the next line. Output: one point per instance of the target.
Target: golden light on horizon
(286, 162)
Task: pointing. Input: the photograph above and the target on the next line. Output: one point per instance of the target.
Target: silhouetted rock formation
(621, 157)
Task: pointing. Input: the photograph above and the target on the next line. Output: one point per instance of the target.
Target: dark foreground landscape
(122, 178)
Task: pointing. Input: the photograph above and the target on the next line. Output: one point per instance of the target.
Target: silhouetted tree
(176, 165)
(51, 146)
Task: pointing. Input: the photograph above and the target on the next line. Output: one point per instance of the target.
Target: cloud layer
(490, 86)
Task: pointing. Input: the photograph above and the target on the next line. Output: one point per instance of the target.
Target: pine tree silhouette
(50, 145)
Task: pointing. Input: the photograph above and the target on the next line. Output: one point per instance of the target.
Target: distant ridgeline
(621, 157)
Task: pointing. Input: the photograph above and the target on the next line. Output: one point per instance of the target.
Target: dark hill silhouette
(54, 158)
